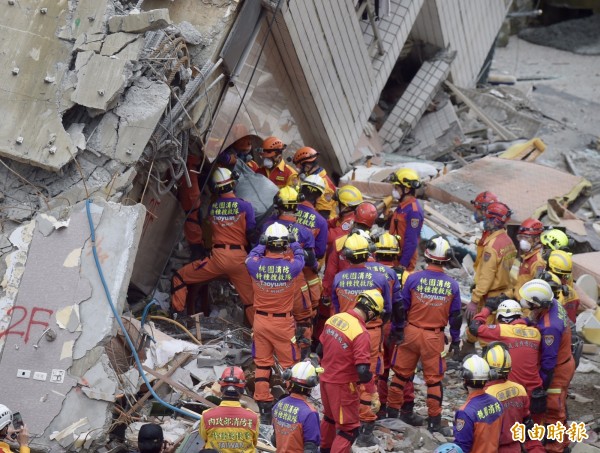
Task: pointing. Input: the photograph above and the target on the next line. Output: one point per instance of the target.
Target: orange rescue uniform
(281, 175)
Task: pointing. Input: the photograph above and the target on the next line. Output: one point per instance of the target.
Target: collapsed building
(104, 99)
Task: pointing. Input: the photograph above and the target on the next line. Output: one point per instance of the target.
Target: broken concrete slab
(524, 186)
(89, 42)
(117, 43)
(140, 22)
(88, 17)
(100, 80)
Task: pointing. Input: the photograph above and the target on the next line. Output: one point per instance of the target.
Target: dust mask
(395, 194)
(524, 245)
(268, 163)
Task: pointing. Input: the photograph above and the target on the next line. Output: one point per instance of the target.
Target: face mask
(244, 157)
(524, 245)
(268, 163)
(395, 194)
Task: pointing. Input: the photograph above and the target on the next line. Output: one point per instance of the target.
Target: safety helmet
(223, 180)
(349, 196)
(287, 199)
(365, 214)
(305, 155)
(276, 236)
(448, 448)
(536, 293)
(508, 311)
(483, 200)
(314, 182)
(406, 177)
(370, 300)
(475, 371)
(560, 262)
(387, 244)
(243, 144)
(531, 227)
(5, 416)
(554, 239)
(304, 374)
(498, 212)
(272, 146)
(356, 247)
(497, 356)
(555, 283)
(232, 380)
(438, 249)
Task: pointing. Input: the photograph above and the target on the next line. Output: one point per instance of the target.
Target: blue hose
(118, 318)
(146, 310)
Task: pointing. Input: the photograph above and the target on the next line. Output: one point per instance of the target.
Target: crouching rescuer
(346, 359)
(431, 300)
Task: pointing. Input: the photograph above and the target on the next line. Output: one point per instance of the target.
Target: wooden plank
(573, 169)
(449, 223)
(177, 386)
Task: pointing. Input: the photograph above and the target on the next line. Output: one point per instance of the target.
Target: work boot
(264, 408)
(365, 435)
(408, 416)
(382, 412)
(434, 425)
(467, 348)
(392, 413)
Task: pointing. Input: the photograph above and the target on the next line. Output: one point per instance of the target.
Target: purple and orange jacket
(351, 282)
(407, 222)
(232, 220)
(556, 341)
(311, 219)
(477, 423)
(295, 421)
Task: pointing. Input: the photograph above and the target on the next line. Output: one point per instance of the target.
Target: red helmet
(483, 200)
(365, 214)
(233, 376)
(531, 227)
(499, 212)
(305, 155)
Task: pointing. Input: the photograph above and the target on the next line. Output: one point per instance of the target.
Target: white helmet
(276, 235)
(474, 368)
(223, 180)
(314, 181)
(536, 293)
(438, 249)
(305, 374)
(508, 310)
(5, 416)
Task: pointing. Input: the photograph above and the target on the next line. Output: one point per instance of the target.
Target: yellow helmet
(497, 356)
(286, 198)
(554, 239)
(371, 300)
(387, 244)
(560, 262)
(406, 177)
(349, 196)
(356, 246)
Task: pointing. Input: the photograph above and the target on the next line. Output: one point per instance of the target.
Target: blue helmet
(448, 448)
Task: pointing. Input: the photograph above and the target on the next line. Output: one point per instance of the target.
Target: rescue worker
(273, 273)
(348, 197)
(478, 422)
(512, 396)
(560, 264)
(233, 225)
(296, 422)
(492, 274)
(190, 199)
(407, 220)
(346, 356)
(151, 440)
(240, 150)
(230, 428)
(387, 253)
(286, 204)
(523, 341)
(554, 239)
(306, 162)
(557, 365)
(480, 204)
(530, 255)
(274, 167)
(431, 300)
(6, 419)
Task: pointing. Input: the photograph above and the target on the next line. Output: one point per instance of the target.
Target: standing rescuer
(230, 428)
(274, 167)
(557, 365)
(348, 197)
(407, 220)
(306, 161)
(560, 264)
(273, 273)
(295, 420)
(346, 360)
(431, 300)
(532, 262)
(232, 221)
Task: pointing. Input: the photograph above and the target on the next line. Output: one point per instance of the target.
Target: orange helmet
(366, 214)
(271, 146)
(305, 155)
(233, 380)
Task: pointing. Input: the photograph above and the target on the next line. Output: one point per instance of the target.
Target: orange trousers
(426, 345)
(339, 426)
(222, 263)
(382, 381)
(303, 314)
(273, 335)
(557, 401)
(367, 390)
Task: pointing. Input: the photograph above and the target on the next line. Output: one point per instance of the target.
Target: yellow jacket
(230, 428)
(4, 448)
(531, 264)
(326, 202)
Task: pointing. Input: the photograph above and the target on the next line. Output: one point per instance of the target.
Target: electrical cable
(181, 326)
(120, 322)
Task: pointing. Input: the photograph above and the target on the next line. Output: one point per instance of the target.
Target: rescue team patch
(414, 223)
(328, 197)
(346, 226)
(487, 256)
(548, 339)
(460, 424)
